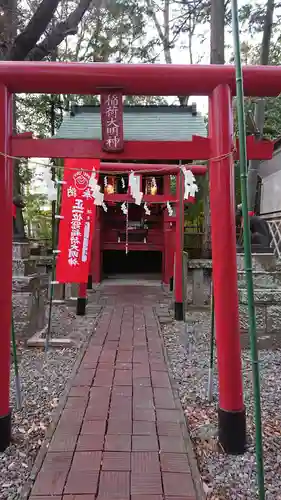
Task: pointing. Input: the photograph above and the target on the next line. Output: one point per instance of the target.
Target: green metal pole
(212, 349)
(16, 366)
(247, 249)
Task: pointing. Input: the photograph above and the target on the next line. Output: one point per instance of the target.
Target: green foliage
(195, 211)
(272, 124)
(173, 184)
(237, 184)
(144, 100)
(114, 32)
(35, 113)
(37, 215)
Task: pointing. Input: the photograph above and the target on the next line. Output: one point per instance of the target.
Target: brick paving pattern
(119, 435)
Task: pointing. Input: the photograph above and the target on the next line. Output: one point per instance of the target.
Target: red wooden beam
(148, 198)
(150, 168)
(133, 246)
(197, 149)
(257, 150)
(135, 79)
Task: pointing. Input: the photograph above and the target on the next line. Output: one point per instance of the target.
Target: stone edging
(26, 490)
(196, 476)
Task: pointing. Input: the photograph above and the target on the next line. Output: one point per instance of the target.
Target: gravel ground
(225, 477)
(42, 383)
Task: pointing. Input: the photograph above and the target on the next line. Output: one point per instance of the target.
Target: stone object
(198, 297)
(29, 290)
(18, 222)
(198, 282)
(38, 341)
(71, 292)
(267, 294)
(200, 271)
(259, 232)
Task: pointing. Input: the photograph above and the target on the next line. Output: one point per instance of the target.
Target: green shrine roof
(143, 123)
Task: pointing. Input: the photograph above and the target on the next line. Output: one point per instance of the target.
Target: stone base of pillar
(232, 431)
(81, 306)
(5, 431)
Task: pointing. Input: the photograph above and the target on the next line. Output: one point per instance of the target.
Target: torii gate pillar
(178, 264)
(231, 413)
(6, 221)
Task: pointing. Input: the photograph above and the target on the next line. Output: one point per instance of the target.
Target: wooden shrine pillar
(178, 276)
(231, 413)
(167, 265)
(6, 220)
(96, 266)
(169, 248)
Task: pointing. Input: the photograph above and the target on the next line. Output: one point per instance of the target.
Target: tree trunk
(59, 32)
(217, 31)
(254, 165)
(164, 35)
(26, 40)
(24, 46)
(7, 28)
(217, 57)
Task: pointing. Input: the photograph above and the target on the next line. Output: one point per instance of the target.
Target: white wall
(271, 194)
(269, 167)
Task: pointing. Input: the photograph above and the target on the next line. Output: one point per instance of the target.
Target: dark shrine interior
(116, 262)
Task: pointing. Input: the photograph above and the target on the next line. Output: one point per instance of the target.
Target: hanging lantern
(110, 184)
(151, 186)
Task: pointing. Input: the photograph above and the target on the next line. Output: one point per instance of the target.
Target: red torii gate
(218, 82)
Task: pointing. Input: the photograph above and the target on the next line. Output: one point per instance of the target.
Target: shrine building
(141, 242)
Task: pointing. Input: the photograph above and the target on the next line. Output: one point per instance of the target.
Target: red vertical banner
(76, 225)
(112, 121)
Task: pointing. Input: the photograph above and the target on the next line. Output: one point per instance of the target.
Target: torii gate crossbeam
(136, 79)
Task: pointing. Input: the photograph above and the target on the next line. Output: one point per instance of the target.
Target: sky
(201, 51)
(201, 54)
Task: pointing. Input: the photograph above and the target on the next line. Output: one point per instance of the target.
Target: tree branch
(59, 32)
(33, 31)
(152, 14)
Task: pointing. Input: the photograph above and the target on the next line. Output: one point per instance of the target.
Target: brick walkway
(119, 435)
